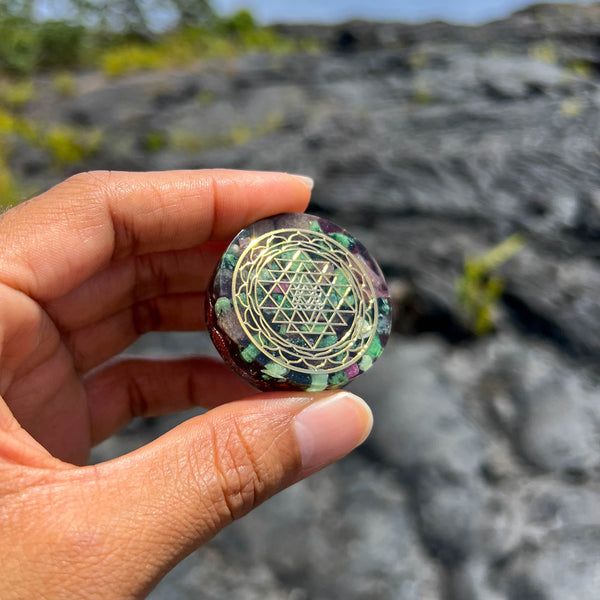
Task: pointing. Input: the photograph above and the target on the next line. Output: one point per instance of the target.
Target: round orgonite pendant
(297, 303)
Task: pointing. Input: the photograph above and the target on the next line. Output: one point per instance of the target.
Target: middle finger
(134, 280)
(92, 345)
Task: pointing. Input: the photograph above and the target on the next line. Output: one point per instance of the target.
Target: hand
(85, 269)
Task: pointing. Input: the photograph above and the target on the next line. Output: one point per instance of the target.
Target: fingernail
(328, 429)
(308, 181)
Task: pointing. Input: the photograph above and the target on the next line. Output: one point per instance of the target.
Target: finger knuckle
(147, 316)
(241, 472)
(90, 181)
(150, 277)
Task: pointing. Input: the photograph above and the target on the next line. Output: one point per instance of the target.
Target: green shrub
(240, 135)
(70, 145)
(581, 68)
(16, 94)
(155, 141)
(418, 60)
(19, 46)
(60, 44)
(571, 107)
(9, 191)
(130, 58)
(225, 38)
(64, 84)
(422, 93)
(479, 289)
(15, 126)
(27, 45)
(267, 40)
(545, 51)
(238, 23)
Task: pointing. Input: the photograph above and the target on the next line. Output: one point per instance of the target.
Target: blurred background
(464, 153)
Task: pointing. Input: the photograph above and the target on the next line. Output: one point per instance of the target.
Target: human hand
(85, 269)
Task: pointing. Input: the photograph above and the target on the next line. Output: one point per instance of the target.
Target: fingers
(163, 501)
(55, 242)
(145, 388)
(16, 445)
(132, 280)
(92, 345)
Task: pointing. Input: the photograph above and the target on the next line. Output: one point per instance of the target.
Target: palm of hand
(41, 385)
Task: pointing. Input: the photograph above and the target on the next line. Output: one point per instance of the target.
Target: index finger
(54, 242)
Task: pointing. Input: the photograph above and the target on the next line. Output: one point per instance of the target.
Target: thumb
(176, 493)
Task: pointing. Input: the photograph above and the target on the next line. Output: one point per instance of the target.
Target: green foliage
(545, 52)
(154, 141)
(134, 18)
(267, 40)
(241, 29)
(119, 37)
(70, 145)
(422, 93)
(19, 46)
(64, 84)
(479, 289)
(13, 126)
(581, 68)
(65, 145)
(61, 45)
(27, 46)
(132, 57)
(14, 95)
(240, 135)
(571, 107)
(239, 23)
(10, 193)
(418, 60)
(225, 38)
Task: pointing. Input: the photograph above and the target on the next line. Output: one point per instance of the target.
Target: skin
(85, 269)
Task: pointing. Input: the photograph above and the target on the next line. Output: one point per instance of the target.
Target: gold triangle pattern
(308, 297)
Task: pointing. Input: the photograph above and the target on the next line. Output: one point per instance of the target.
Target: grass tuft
(479, 289)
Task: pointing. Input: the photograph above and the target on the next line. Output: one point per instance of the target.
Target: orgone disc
(297, 303)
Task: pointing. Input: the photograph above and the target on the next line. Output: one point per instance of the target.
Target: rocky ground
(481, 480)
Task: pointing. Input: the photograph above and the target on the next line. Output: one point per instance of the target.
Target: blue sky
(458, 11)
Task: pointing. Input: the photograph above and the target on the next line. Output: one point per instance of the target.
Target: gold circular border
(256, 314)
(251, 313)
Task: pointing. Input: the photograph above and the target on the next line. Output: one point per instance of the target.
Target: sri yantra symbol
(305, 301)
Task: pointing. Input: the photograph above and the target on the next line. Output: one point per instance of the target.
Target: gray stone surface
(481, 480)
(345, 533)
(533, 572)
(453, 141)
